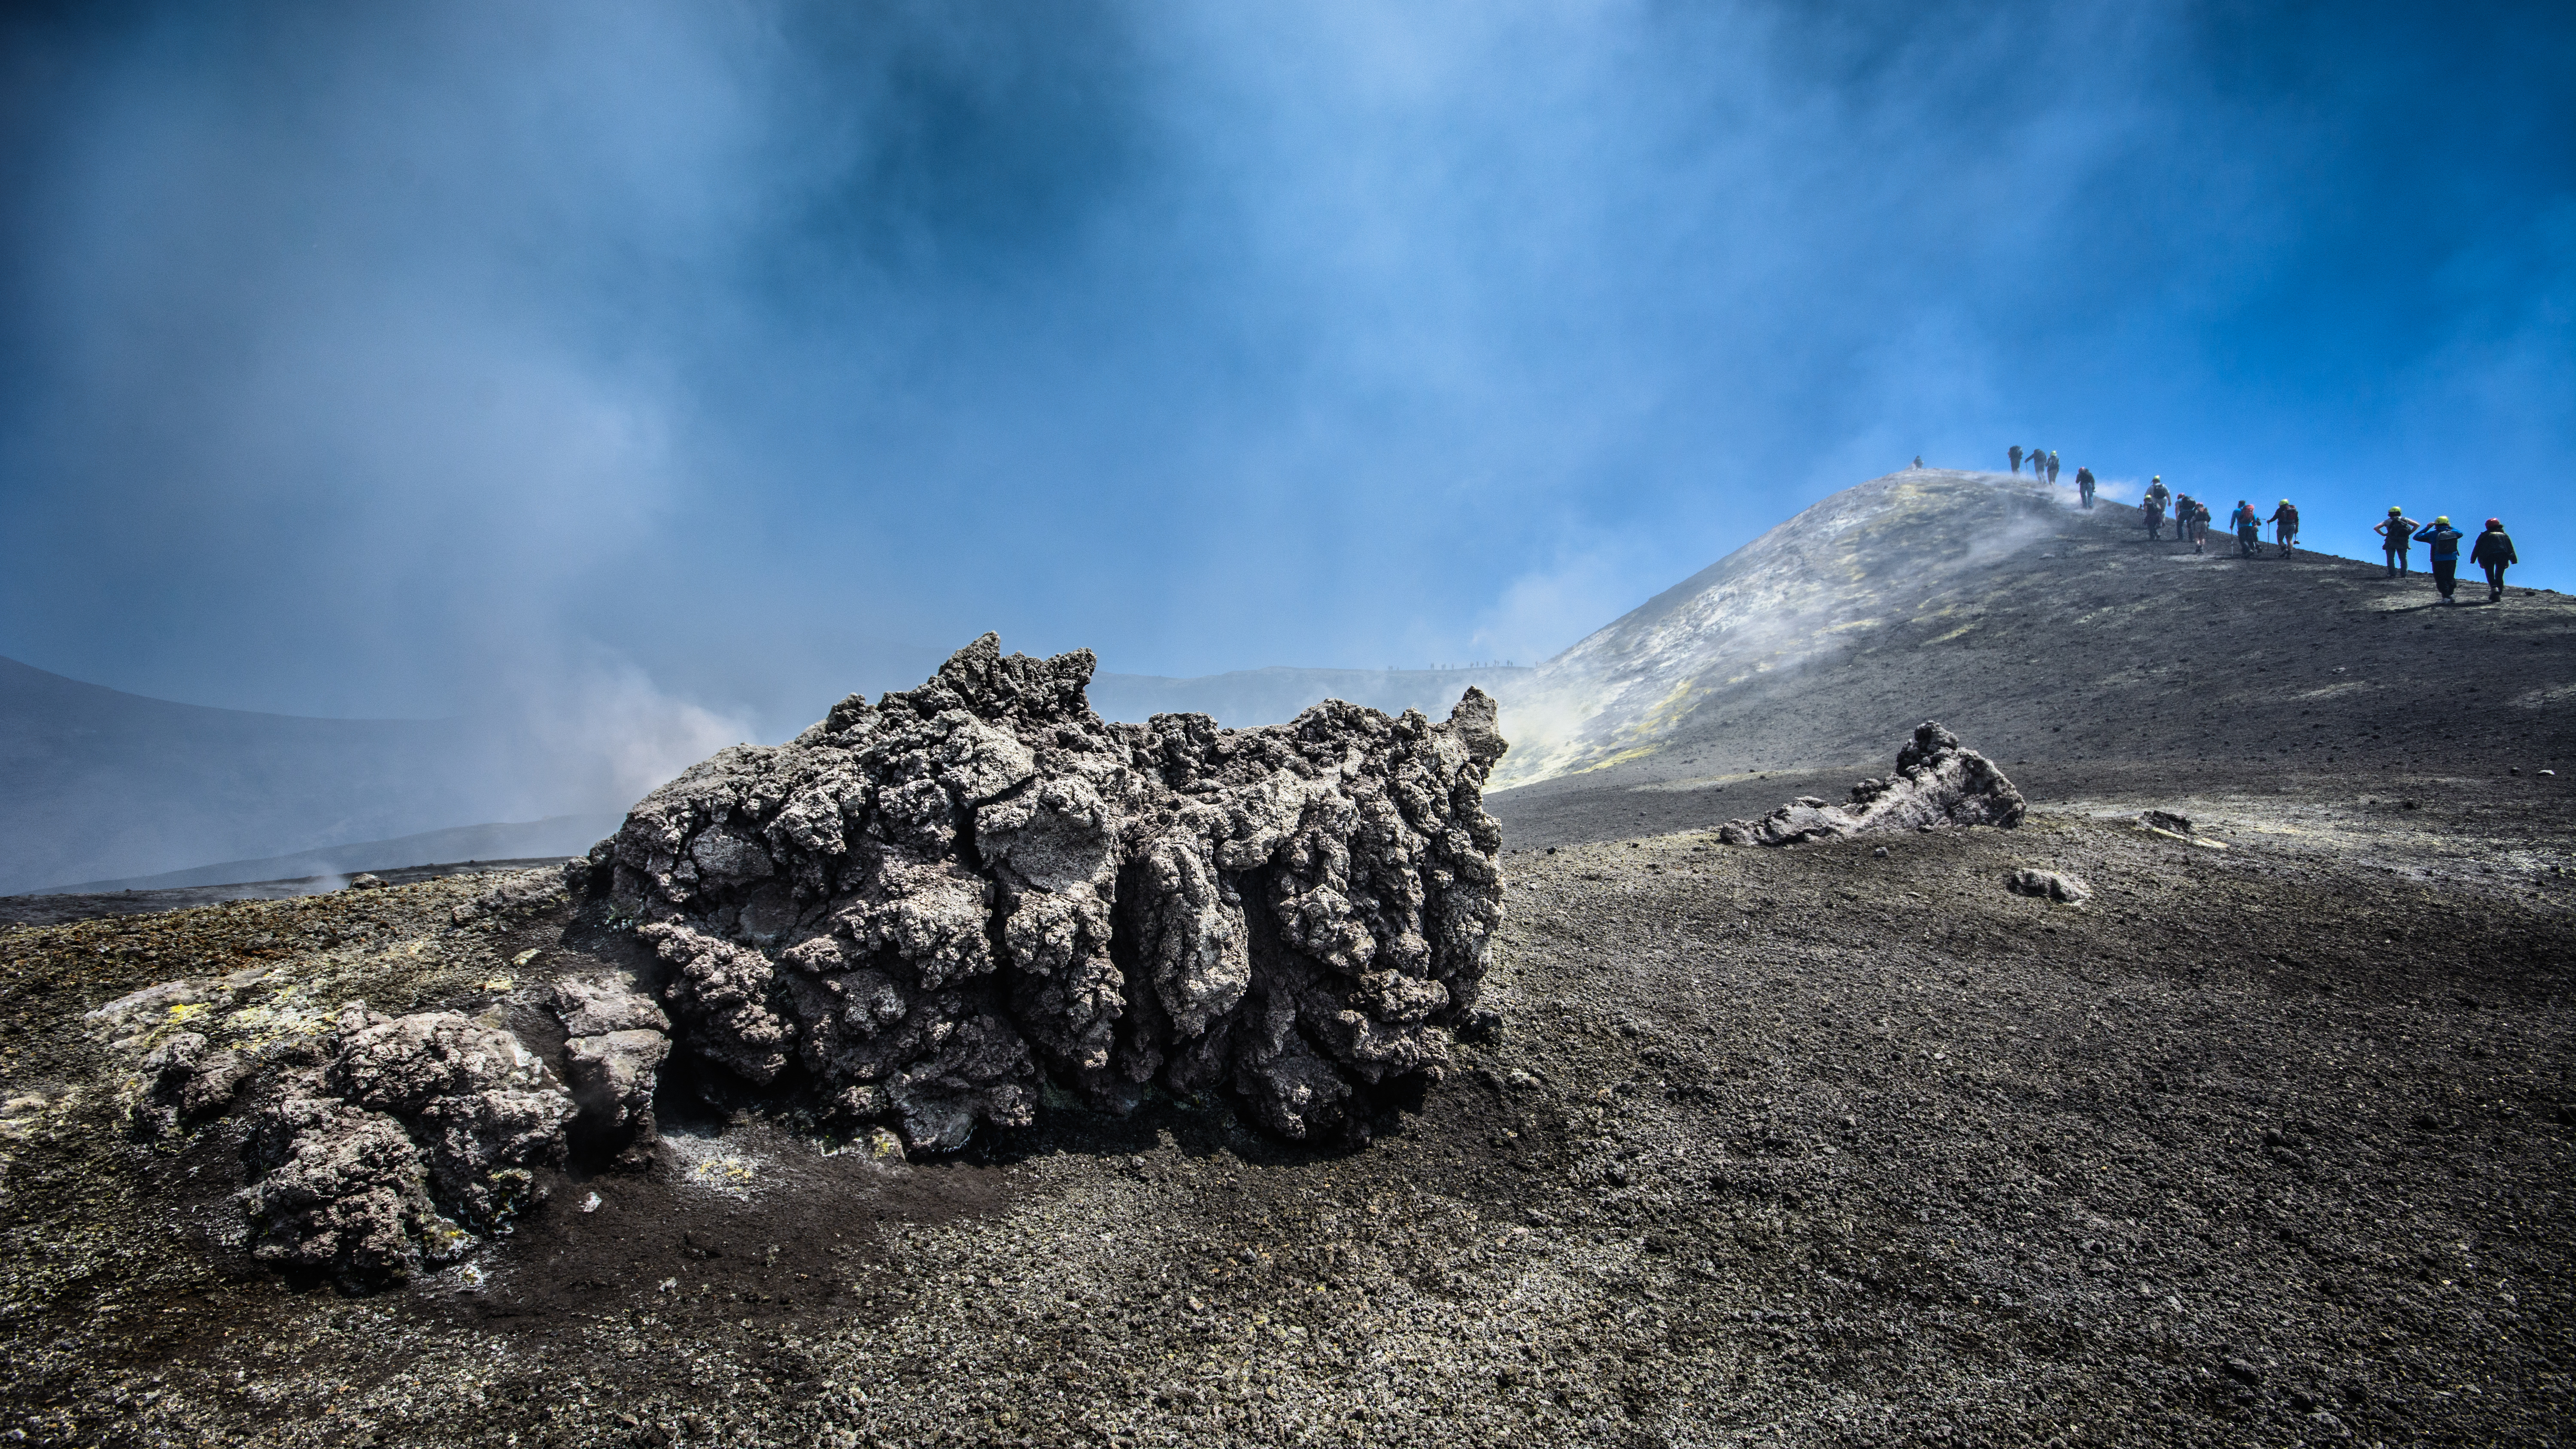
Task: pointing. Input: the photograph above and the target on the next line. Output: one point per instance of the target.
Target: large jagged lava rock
(920, 908)
(1938, 782)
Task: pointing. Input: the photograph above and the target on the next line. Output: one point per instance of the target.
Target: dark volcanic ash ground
(2267, 1141)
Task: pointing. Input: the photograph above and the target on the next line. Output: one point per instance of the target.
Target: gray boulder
(415, 1134)
(1938, 783)
(612, 1077)
(2048, 885)
(919, 908)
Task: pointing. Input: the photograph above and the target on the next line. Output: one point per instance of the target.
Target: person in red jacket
(2492, 552)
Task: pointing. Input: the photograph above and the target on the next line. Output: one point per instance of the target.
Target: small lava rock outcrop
(1938, 783)
(2048, 885)
(416, 1133)
(921, 910)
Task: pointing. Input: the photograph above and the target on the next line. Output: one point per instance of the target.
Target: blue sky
(612, 358)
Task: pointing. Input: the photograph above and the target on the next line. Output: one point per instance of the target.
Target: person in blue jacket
(2446, 554)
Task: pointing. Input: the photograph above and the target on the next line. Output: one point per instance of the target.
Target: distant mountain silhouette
(97, 783)
(563, 835)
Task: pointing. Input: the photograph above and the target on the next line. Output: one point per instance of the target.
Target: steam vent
(920, 909)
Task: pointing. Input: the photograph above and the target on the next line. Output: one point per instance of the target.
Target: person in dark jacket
(2397, 532)
(2285, 525)
(2052, 465)
(2152, 509)
(2446, 554)
(2084, 485)
(2014, 453)
(2492, 552)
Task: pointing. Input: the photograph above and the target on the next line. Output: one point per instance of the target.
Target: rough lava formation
(919, 910)
(1938, 782)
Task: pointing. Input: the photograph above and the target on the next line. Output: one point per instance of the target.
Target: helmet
(2442, 518)
(2394, 510)
(2159, 478)
(2495, 523)
(2285, 502)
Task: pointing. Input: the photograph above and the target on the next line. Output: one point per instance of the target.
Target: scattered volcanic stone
(1937, 782)
(919, 909)
(2066, 890)
(2167, 821)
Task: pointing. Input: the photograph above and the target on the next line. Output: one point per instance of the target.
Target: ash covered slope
(1847, 565)
(917, 908)
(2040, 634)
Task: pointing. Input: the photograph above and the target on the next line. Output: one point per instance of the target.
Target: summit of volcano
(2047, 635)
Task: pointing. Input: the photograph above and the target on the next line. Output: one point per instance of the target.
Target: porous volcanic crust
(1938, 782)
(918, 909)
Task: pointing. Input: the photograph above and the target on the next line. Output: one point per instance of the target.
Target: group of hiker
(2493, 551)
(2044, 465)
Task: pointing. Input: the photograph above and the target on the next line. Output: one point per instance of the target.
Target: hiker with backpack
(2396, 533)
(2249, 529)
(2493, 552)
(2285, 526)
(2446, 554)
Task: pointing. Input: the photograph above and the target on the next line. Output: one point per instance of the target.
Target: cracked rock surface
(420, 1130)
(1938, 783)
(919, 909)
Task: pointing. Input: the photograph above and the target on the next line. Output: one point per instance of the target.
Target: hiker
(1918, 462)
(2398, 531)
(2199, 526)
(2285, 525)
(2249, 529)
(2052, 465)
(2154, 507)
(2446, 553)
(2014, 453)
(2084, 485)
(2492, 552)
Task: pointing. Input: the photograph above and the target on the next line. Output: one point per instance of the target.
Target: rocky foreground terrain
(2259, 1132)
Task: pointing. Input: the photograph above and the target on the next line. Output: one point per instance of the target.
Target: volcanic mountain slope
(2036, 630)
(96, 783)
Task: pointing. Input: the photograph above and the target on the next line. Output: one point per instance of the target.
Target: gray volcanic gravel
(2268, 1143)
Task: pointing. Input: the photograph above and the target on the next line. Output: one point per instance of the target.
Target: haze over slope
(102, 789)
(2038, 631)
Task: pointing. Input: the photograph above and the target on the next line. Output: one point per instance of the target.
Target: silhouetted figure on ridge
(2084, 485)
(2398, 531)
(2493, 552)
(2446, 554)
(2014, 453)
(2052, 465)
